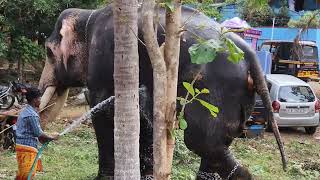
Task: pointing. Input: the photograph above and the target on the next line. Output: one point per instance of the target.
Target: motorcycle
(19, 90)
(9, 94)
(6, 98)
(7, 132)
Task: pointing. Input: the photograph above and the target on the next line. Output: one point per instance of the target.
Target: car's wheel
(310, 130)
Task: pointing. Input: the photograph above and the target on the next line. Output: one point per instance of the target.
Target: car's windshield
(295, 94)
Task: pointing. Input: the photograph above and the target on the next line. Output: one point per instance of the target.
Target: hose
(36, 159)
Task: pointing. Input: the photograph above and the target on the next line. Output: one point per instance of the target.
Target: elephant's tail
(262, 89)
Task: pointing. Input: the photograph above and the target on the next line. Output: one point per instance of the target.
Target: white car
(294, 102)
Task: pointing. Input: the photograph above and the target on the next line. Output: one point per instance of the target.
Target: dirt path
(297, 134)
(69, 113)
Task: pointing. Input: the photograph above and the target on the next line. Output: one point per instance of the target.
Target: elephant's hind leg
(146, 134)
(221, 161)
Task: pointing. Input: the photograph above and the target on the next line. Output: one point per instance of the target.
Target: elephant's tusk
(46, 97)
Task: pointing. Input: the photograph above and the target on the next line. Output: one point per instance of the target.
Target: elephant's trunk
(262, 90)
(50, 114)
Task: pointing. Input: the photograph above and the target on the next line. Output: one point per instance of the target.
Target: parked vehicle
(300, 61)
(15, 91)
(19, 90)
(294, 102)
(7, 131)
(6, 98)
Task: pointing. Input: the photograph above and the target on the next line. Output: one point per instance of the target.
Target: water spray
(88, 115)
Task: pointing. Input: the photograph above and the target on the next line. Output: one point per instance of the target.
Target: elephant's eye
(50, 55)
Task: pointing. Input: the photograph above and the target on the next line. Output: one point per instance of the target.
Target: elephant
(80, 52)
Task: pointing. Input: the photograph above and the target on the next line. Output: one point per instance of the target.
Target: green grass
(74, 156)
(262, 157)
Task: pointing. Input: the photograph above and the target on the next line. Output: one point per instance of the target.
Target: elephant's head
(66, 60)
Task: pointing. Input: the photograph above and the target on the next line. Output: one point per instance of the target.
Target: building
(297, 8)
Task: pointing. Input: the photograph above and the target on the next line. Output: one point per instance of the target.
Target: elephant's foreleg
(221, 161)
(103, 125)
(104, 135)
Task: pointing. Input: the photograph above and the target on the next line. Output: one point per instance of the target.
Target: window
(309, 53)
(295, 94)
(298, 5)
(265, 47)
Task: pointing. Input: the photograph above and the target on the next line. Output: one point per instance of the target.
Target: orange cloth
(25, 157)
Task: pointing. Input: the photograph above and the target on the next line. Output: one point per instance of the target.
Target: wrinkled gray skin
(80, 53)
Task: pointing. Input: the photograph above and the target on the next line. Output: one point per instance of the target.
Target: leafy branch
(206, 50)
(194, 92)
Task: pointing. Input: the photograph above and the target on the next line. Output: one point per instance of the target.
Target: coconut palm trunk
(126, 83)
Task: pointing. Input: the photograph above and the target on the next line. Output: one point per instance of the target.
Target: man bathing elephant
(80, 53)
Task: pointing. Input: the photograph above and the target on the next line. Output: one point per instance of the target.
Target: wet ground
(70, 113)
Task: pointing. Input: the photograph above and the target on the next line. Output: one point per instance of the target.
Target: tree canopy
(24, 25)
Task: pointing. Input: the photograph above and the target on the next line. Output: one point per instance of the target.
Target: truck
(299, 60)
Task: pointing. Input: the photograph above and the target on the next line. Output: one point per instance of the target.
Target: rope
(36, 159)
(6, 129)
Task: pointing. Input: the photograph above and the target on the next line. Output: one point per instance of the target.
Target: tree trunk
(171, 57)
(159, 94)
(165, 74)
(126, 83)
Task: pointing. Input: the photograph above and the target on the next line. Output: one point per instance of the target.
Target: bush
(259, 13)
(282, 18)
(26, 50)
(204, 7)
(3, 46)
(256, 14)
(302, 22)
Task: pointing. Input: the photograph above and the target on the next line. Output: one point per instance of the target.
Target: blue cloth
(28, 127)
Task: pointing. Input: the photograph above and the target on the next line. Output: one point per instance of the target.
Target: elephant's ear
(68, 34)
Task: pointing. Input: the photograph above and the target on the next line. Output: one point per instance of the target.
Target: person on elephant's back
(28, 134)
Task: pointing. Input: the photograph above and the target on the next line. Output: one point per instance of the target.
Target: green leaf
(189, 88)
(183, 124)
(209, 106)
(197, 90)
(235, 53)
(213, 114)
(205, 91)
(169, 5)
(205, 51)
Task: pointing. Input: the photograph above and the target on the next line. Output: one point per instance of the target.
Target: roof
(285, 80)
(310, 43)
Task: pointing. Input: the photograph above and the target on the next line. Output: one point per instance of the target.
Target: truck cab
(299, 60)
